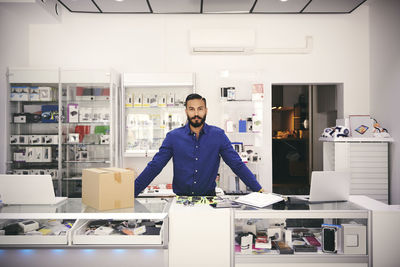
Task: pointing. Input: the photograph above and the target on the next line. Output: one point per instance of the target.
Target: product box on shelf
(46, 93)
(105, 139)
(257, 92)
(24, 94)
(128, 100)
(170, 100)
(146, 100)
(108, 188)
(162, 100)
(14, 95)
(49, 113)
(138, 100)
(51, 139)
(14, 139)
(20, 155)
(34, 94)
(85, 114)
(20, 117)
(36, 139)
(73, 113)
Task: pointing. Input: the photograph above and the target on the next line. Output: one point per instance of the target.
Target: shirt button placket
(196, 157)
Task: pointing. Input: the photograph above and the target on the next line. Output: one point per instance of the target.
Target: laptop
(329, 186)
(28, 190)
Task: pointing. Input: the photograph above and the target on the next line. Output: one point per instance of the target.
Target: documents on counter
(259, 200)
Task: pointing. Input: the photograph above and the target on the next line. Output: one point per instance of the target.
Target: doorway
(299, 115)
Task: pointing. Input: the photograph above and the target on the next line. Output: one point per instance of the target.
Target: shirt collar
(204, 130)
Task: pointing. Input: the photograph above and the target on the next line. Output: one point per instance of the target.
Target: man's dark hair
(195, 96)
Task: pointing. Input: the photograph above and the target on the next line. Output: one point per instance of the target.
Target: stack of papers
(259, 200)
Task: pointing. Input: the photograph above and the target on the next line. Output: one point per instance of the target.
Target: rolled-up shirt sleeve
(155, 166)
(232, 159)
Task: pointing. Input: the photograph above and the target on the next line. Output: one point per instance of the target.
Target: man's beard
(196, 124)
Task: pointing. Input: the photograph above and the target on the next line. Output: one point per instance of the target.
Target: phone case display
(310, 230)
(33, 110)
(242, 110)
(154, 105)
(87, 125)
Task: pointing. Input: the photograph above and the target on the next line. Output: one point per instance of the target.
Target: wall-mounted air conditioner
(203, 41)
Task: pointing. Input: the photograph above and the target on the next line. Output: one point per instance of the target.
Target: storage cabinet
(366, 159)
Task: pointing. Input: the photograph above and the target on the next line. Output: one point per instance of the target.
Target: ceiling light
(119, 0)
(284, 0)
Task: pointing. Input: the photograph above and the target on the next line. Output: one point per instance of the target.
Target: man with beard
(196, 149)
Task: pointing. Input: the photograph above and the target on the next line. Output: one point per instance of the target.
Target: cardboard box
(108, 188)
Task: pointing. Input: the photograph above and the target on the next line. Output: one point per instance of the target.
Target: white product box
(14, 95)
(20, 119)
(23, 139)
(105, 115)
(82, 155)
(14, 139)
(96, 115)
(128, 100)
(46, 154)
(34, 94)
(229, 126)
(73, 138)
(37, 154)
(170, 100)
(85, 115)
(30, 154)
(179, 99)
(146, 100)
(51, 139)
(46, 93)
(257, 92)
(354, 239)
(73, 113)
(36, 139)
(162, 100)
(105, 139)
(153, 100)
(20, 156)
(138, 100)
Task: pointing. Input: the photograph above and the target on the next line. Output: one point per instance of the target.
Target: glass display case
(72, 223)
(153, 105)
(33, 128)
(60, 122)
(87, 100)
(296, 232)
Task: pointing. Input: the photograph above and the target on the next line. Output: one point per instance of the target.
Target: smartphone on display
(329, 239)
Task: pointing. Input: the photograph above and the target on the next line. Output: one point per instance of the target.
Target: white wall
(160, 43)
(385, 79)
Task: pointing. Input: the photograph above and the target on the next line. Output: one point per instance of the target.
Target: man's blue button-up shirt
(195, 161)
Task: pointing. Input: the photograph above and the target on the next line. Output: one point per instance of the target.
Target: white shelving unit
(251, 111)
(152, 105)
(68, 104)
(366, 159)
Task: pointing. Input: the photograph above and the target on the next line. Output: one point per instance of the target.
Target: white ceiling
(212, 6)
